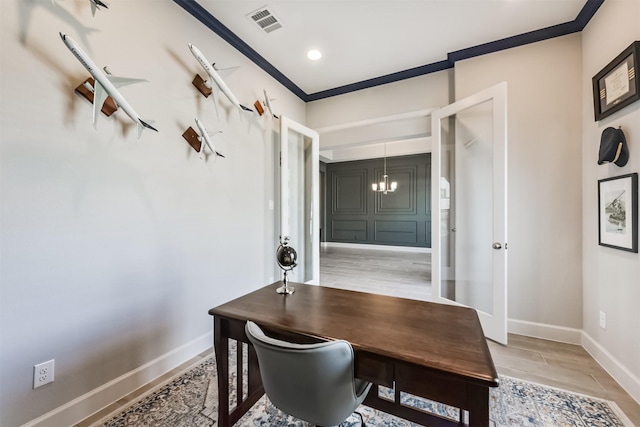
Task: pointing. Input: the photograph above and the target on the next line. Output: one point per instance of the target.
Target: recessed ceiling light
(314, 55)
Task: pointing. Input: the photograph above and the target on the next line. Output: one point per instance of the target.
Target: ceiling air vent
(264, 19)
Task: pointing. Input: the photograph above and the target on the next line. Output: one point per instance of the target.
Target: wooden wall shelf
(193, 139)
(201, 85)
(109, 106)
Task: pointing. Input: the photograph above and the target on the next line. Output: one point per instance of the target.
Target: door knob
(496, 245)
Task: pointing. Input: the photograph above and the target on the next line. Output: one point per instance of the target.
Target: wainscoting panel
(403, 201)
(348, 231)
(348, 191)
(357, 214)
(396, 232)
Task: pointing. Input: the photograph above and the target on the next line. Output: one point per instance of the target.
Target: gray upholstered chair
(312, 382)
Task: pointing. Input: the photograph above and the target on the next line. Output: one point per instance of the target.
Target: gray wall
(113, 248)
(356, 214)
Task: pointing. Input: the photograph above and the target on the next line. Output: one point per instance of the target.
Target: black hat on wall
(613, 147)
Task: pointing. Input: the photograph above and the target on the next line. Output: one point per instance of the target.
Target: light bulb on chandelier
(384, 186)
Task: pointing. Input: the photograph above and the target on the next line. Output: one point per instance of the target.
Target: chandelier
(384, 187)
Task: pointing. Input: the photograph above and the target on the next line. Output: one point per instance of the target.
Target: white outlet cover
(603, 320)
(43, 373)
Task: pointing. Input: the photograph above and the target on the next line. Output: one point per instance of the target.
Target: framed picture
(618, 212)
(617, 85)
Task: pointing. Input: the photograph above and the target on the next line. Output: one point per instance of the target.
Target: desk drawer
(374, 368)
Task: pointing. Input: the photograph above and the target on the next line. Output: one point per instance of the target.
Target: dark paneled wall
(354, 213)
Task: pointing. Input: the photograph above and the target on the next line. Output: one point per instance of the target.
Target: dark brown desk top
(443, 337)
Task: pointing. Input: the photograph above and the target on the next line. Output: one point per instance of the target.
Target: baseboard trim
(95, 400)
(375, 247)
(617, 370)
(545, 331)
(609, 363)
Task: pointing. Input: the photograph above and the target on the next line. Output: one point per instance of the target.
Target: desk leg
(479, 406)
(221, 345)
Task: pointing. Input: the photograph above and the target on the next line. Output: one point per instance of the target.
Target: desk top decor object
(613, 147)
(286, 257)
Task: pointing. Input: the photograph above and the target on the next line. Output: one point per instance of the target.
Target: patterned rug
(190, 400)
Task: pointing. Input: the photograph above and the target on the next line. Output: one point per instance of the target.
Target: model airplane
(267, 103)
(105, 85)
(220, 84)
(95, 5)
(206, 139)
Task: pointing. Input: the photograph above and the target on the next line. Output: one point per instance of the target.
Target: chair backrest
(313, 382)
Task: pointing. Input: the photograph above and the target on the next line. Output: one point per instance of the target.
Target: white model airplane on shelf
(95, 5)
(205, 139)
(267, 103)
(105, 85)
(219, 83)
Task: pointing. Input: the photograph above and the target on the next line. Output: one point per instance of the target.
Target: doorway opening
(375, 242)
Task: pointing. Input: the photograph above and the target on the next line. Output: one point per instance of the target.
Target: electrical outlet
(603, 320)
(43, 373)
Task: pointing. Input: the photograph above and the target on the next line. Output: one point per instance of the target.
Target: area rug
(190, 400)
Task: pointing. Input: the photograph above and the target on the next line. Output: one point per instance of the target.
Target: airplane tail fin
(142, 124)
(96, 5)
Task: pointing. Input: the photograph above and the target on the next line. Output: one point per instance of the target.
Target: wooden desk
(430, 350)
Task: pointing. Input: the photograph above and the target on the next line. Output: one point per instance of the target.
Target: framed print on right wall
(618, 212)
(618, 84)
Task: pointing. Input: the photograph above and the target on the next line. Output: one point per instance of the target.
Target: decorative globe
(286, 257)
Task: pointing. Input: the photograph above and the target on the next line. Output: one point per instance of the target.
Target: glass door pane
(300, 196)
(467, 179)
(469, 251)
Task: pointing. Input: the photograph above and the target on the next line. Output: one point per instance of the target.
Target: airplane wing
(225, 72)
(123, 81)
(99, 96)
(93, 8)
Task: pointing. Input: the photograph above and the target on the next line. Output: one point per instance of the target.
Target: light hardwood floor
(401, 274)
(408, 275)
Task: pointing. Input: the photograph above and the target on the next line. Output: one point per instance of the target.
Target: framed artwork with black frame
(617, 85)
(618, 212)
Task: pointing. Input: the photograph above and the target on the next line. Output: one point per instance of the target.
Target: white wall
(114, 248)
(419, 93)
(611, 277)
(544, 174)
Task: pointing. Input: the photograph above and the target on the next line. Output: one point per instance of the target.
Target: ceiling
(369, 42)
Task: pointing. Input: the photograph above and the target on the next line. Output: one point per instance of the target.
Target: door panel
(469, 199)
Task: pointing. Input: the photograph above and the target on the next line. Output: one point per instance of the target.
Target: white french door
(299, 197)
(469, 199)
